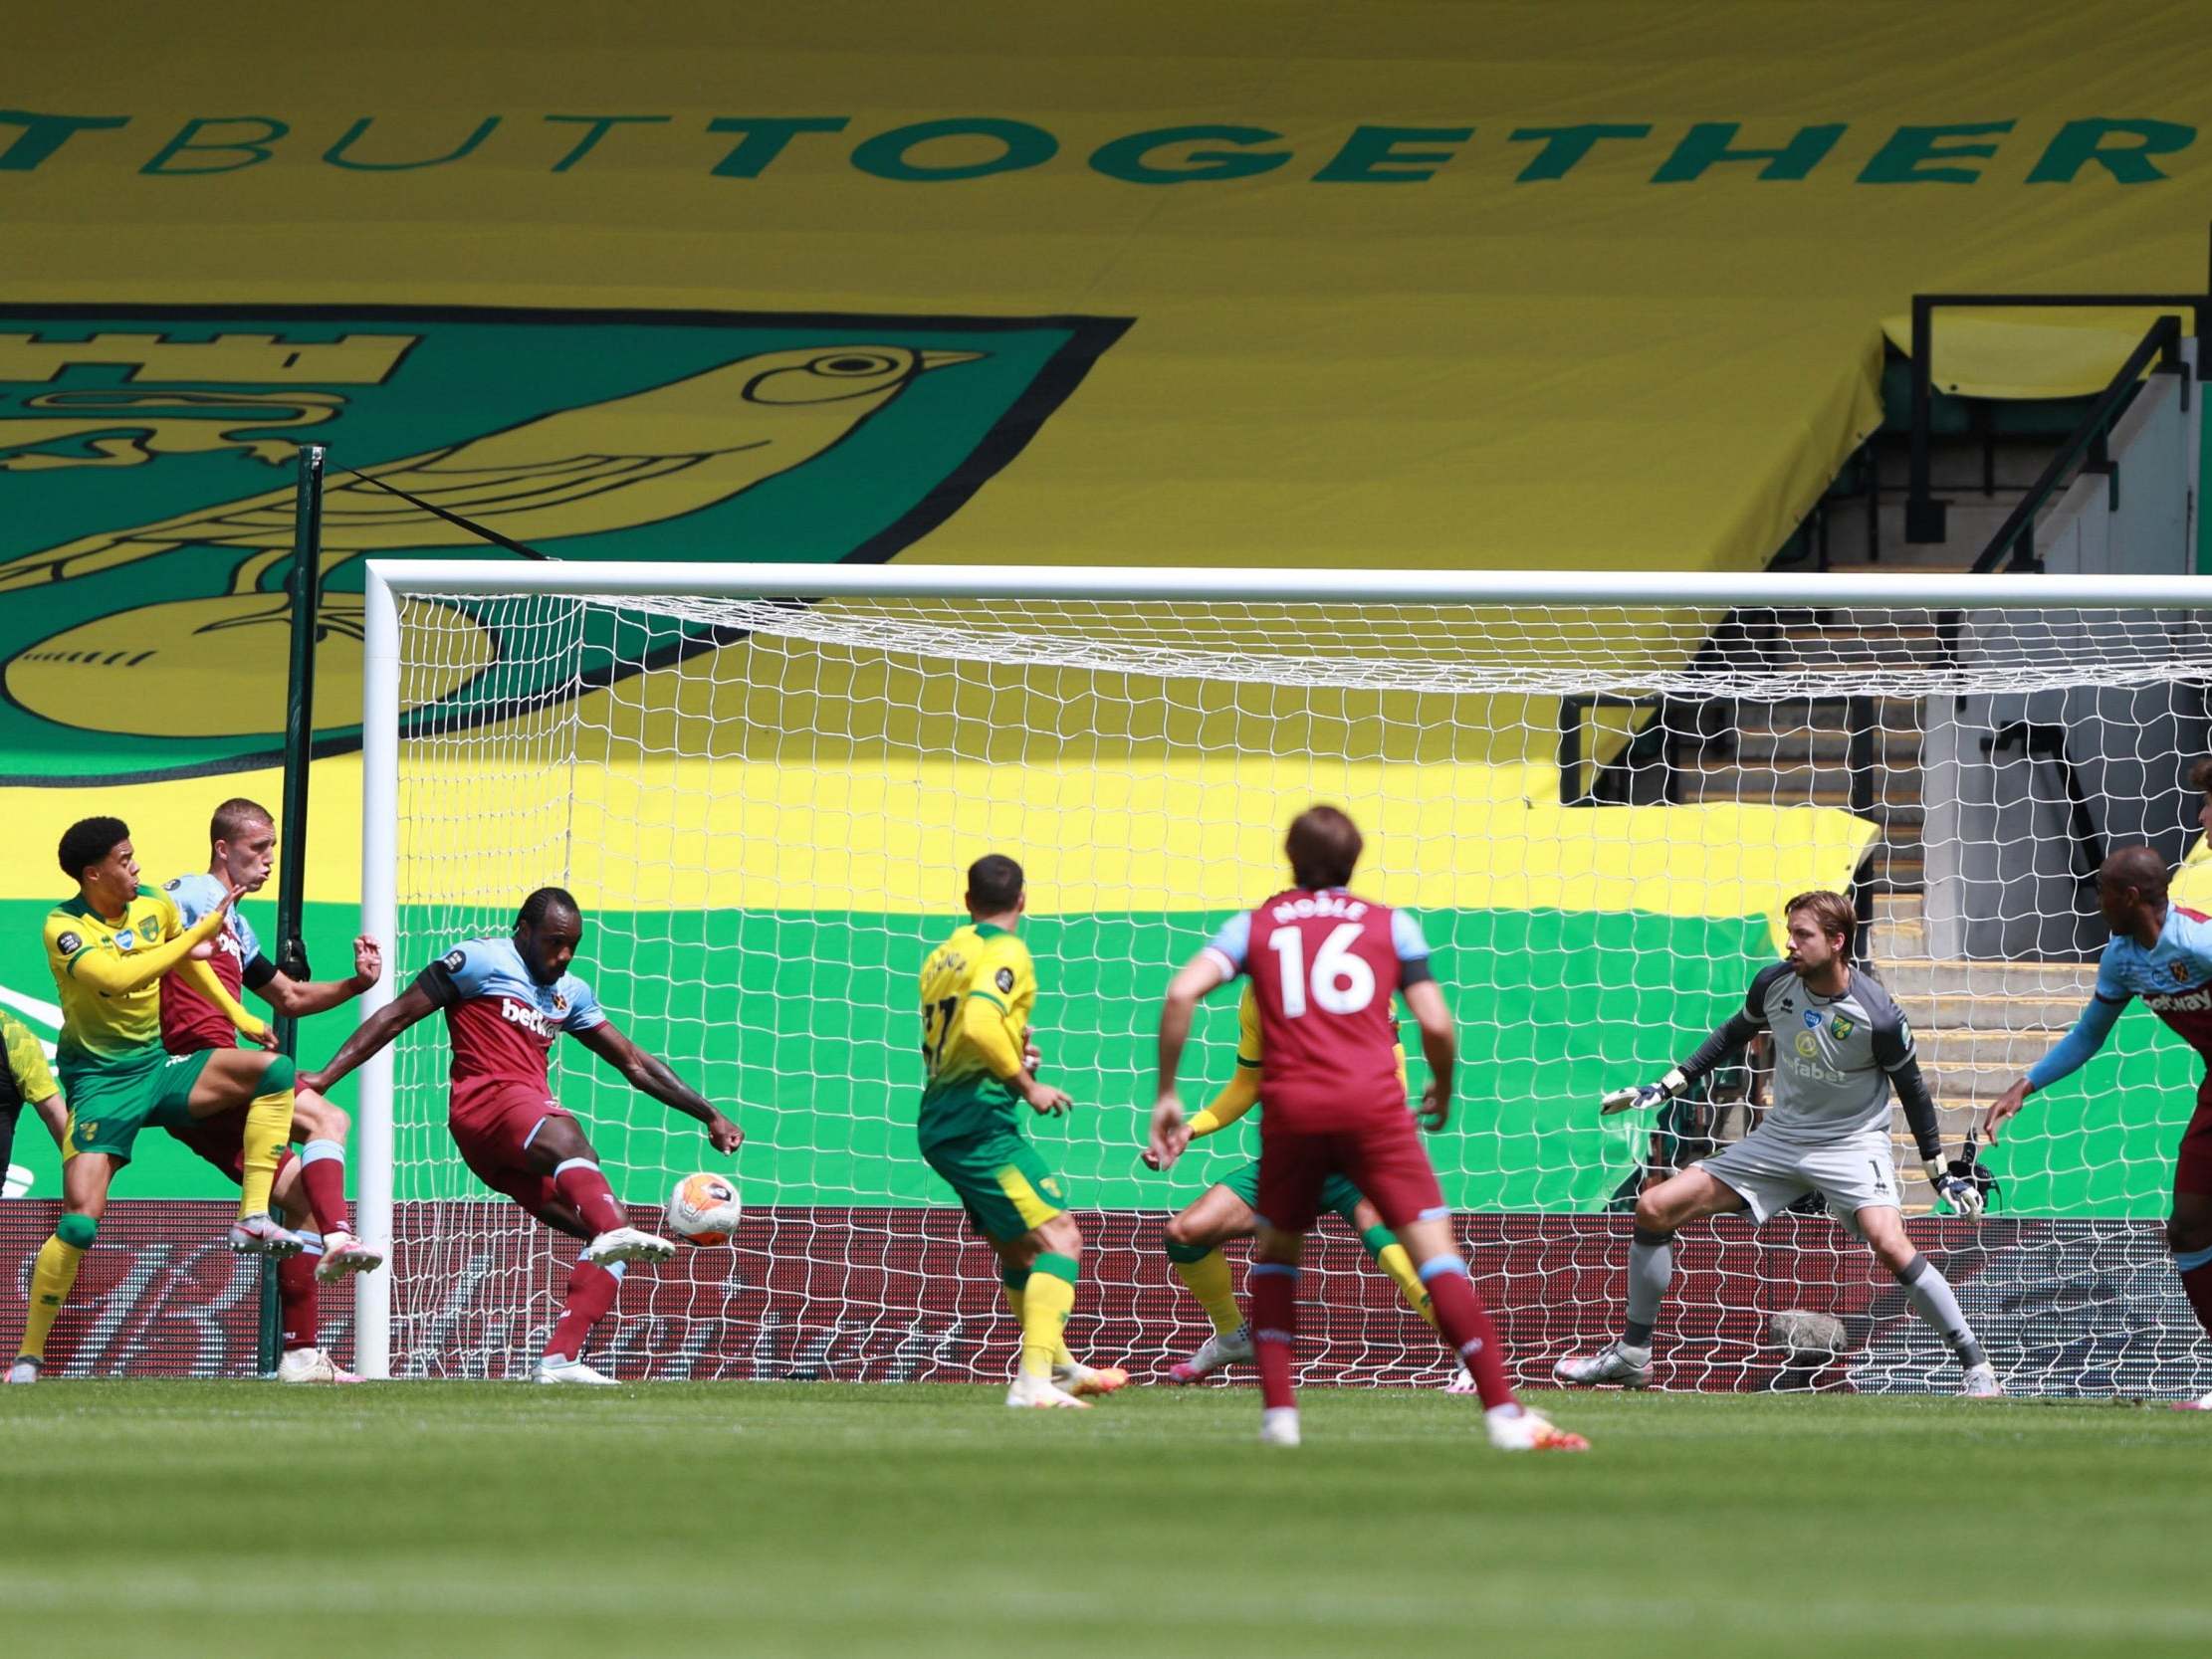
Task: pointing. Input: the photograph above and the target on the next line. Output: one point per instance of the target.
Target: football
(704, 1210)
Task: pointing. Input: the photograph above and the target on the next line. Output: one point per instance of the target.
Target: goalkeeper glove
(1956, 1188)
(1649, 1095)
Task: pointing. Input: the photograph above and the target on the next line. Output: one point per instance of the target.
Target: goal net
(764, 785)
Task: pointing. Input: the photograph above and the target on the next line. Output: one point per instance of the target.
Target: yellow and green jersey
(978, 988)
(24, 1077)
(108, 1030)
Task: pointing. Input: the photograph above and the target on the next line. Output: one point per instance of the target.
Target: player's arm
(414, 1003)
(2073, 1053)
(1439, 1046)
(650, 1074)
(295, 1000)
(1895, 1054)
(1738, 1029)
(983, 1024)
(34, 1077)
(1237, 1097)
(194, 971)
(104, 968)
(1203, 974)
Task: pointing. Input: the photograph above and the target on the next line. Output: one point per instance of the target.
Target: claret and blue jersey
(502, 1021)
(2173, 977)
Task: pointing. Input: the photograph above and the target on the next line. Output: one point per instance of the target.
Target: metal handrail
(2016, 534)
(1924, 514)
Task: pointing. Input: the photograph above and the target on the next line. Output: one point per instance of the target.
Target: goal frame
(387, 582)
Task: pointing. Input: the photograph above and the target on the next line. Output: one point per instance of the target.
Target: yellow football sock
(1013, 1301)
(51, 1279)
(1047, 1303)
(1392, 1260)
(1208, 1281)
(268, 1128)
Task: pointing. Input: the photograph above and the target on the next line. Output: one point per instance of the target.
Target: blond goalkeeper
(1224, 1212)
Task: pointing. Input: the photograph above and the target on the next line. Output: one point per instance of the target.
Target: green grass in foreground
(184, 1519)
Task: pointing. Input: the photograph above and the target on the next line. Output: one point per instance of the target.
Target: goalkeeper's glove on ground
(1647, 1095)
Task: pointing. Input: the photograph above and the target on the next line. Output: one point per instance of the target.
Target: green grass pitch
(182, 1518)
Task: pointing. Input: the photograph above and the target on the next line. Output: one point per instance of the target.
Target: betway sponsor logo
(529, 1018)
(2181, 1002)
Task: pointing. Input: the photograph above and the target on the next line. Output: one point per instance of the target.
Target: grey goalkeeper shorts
(1852, 1173)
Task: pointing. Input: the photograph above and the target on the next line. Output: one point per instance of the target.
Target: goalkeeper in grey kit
(1840, 1043)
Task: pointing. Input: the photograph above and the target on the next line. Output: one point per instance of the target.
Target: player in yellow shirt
(1224, 1212)
(25, 1080)
(107, 949)
(978, 990)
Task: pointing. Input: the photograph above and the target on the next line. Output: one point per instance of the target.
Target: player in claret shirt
(1325, 965)
(2163, 954)
(309, 1189)
(505, 1002)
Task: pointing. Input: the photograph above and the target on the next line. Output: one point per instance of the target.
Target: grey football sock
(1650, 1267)
(1931, 1298)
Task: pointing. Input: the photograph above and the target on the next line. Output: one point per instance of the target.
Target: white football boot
(25, 1369)
(2203, 1402)
(1217, 1350)
(1278, 1425)
(554, 1368)
(1464, 1383)
(1518, 1429)
(628, 1244)
(312, 1365)
(1030, 1390)
(1089, 1381)
(1980, 1384)
(1616, 1363)
(342, 1253)
(260, 1235)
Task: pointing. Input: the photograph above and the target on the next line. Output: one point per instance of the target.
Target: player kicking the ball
(505, 1000)
(1223, 1211)
(310, 1192)
(2163, 954)
(1839, 1045)
(1324, 965)
(978, 989)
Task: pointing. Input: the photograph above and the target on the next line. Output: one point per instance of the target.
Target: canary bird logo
(142, 622)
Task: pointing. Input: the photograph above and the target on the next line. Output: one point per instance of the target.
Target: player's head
(95, 854)
(1818, 929)
(242, 843)
(548, 930)
(2200, 779)
(1324, 848)
(996, 887)
(2129, 882)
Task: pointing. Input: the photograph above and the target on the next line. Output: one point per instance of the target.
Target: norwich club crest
(145, 455)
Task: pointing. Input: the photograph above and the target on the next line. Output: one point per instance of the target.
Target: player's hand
(1435, 1108)
(1964, 1197)
(1045, 1099)
(1643, 1096)
(266, 1035)
(2003, 1109)
(1170, 1133)
(1032, 1057)
(205, 951)
(369, 960)
(724, 1134)
(230, 898)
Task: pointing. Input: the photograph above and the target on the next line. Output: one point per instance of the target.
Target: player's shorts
(1338, 1195)
(2192, 1165)
(107, 1109)
(221, 1141)
(1383, 1159)
(1005, 1187)
(1857, 1172)
(494, 1132)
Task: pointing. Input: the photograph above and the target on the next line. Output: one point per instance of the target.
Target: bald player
(2162, 954)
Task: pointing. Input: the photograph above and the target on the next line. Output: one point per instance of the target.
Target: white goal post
(769, 778)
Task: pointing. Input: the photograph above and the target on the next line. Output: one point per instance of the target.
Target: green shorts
(1003, 1185)
(1337, 1193)
(107, 1109)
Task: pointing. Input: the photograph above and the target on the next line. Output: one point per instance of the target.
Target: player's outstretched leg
(299, 1300)
(576, 1181)
(1068, 1372)
(1193, 1249)
(262, 1083)
(1053, 1252)
(590, 1293)
(1930, 1295)
(320, 1129)
(1627, 1361)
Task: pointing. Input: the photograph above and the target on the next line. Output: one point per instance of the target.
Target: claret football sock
(581, 1183)
(1467, 1326)
(589, 1295)
(1273, 1288)
(2195, 1268)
